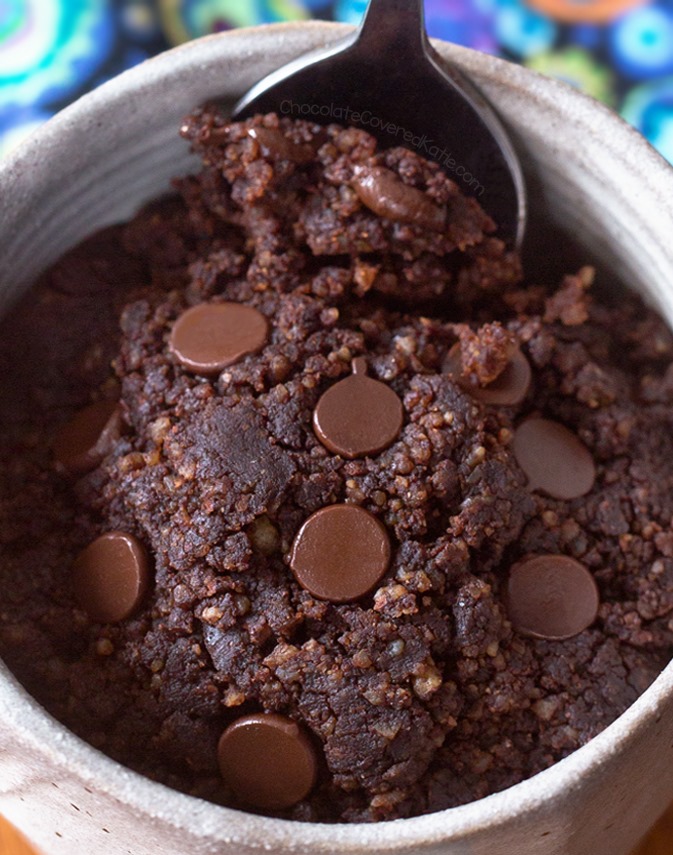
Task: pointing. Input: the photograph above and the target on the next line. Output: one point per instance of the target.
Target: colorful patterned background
(619, 51)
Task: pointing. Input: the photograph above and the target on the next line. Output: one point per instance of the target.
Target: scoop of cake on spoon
(387, 79)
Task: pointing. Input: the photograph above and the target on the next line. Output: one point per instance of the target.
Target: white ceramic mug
(591, 178)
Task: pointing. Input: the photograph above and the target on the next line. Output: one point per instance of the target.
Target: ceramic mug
(596, 189)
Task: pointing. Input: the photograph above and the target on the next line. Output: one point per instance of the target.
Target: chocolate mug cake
(313, 504)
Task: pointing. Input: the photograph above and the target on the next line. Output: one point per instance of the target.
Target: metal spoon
(387, 79)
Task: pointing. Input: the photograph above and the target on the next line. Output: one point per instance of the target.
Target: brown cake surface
(473, 655)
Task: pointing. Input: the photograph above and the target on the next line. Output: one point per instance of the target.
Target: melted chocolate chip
(553, 458)
(340, 553)
(507, 390)
(267, 761)
(210, 336)
(358, 416)
(82, 443)
(384, 193)
(276, 146)
(110, 577)
(551, 596)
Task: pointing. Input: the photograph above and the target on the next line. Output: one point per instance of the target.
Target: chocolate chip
(551, 596)
(554, 459)
(84, 441)
(210, 336)
(110, 577)
(267, 761)
(507, 390)
(384, 193)
(340, 553)
(358, 416)
(276, 146)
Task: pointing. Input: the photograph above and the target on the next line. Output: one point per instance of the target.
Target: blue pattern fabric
(618, 51)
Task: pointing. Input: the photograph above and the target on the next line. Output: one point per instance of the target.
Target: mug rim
(61, 747)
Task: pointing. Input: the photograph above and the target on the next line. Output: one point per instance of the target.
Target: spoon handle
(389, 23)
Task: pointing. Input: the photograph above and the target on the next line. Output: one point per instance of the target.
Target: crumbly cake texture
(419, 695)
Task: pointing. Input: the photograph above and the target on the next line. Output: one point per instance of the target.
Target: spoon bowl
(387, 79)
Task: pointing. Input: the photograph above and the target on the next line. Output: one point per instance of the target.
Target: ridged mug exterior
(593, 181)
